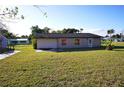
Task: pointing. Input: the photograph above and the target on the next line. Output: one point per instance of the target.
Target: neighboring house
(18, 41)
(106, 38)
(76, 40)
(3, 42)
(115, 39)
(118, 39)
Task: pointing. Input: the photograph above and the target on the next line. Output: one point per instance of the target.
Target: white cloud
(23, 28)
(20, 27)
(97, 31)
(101, 32)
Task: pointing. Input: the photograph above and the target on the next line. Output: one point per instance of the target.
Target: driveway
(10, 53)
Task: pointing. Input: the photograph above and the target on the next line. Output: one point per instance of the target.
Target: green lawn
(78, 68)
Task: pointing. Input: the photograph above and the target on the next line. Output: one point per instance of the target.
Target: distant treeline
(36, 29)
(116, 35)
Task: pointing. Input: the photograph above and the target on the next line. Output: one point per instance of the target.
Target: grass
(75, 68)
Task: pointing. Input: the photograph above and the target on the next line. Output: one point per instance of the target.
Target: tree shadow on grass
(6, 51)
(10, 51)
(118, 48)
(73, 49)
(82, 49)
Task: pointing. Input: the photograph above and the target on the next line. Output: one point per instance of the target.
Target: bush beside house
(34, 42)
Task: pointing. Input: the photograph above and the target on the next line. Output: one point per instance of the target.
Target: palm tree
(110, 32)
(81, 29)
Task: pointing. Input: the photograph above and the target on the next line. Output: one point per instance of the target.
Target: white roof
(19, 39)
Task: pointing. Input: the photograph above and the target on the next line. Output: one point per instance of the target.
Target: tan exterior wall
(57, 43)
(71, 43)
(46, 43)
(96, 42)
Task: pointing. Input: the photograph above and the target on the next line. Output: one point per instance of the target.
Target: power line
(44, 13)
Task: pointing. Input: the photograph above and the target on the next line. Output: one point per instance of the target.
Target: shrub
(11, 46)
(34, 42)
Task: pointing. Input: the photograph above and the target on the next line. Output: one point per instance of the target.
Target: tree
(110, 32)
(36, 29)
(58, 31)
(30, 38)
(7, 34)
(70, 30)
(24, 36)
(116, 36)
(81, 29)
(8, 15)
(54, 31)
(65, 31)
(46, 29)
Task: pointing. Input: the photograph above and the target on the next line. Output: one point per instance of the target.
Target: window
(63, 41)
(23, 42)
(77, 41)
(14, 42)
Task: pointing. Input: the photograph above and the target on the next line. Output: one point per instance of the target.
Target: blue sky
(94, 19)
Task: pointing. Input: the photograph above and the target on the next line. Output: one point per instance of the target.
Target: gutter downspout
(57, 44)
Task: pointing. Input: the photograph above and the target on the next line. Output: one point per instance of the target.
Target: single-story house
(70, 40)
(118, 39)
(3, 42)
(18, 41)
